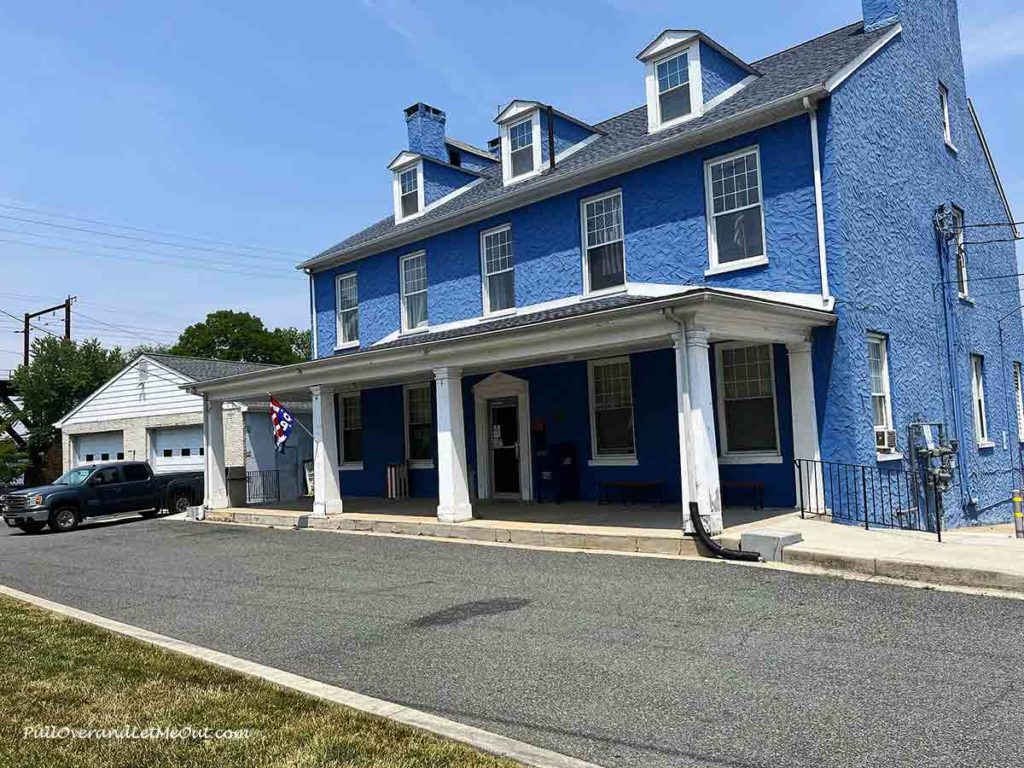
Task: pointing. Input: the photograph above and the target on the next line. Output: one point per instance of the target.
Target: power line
(30, 325)
(120, 328)
(160, 233)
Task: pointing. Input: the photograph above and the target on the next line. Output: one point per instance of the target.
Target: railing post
(800, 486)
(864, 497)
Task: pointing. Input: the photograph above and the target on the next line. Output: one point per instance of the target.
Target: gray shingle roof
(202, 368)
(785, 74)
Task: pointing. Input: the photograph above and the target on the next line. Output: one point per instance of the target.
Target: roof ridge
(808, 42)
(204, 359)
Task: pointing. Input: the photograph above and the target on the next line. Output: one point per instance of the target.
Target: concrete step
(607, 539)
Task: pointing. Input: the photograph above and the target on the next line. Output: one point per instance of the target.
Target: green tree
(299, 341)
(62, 374)
(239, 336)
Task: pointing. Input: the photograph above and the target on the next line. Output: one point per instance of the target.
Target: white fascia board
(403, 159)
(669, 146)
(516, 109)
(866, 55)
(666, 41)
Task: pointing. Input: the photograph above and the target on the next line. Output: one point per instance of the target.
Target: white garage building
(143, 413)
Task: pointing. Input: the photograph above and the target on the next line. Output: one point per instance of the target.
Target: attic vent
(143, 371)
(454, 157)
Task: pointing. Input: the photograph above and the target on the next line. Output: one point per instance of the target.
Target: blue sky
(256, 126)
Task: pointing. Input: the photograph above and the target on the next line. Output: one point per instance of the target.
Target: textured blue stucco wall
(886, 170)
(440, 180)
(665, 234)
(718, 73)
(878, 13)
(475, 162)
(566, 134)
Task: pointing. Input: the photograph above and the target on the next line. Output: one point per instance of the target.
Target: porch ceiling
(487, 347)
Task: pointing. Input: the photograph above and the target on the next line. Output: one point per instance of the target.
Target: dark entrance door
(504, 436)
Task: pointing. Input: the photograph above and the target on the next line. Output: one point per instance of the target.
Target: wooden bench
(755, 486)
(628, 490)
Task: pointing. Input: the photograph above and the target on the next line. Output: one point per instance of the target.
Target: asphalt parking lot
(623, 661)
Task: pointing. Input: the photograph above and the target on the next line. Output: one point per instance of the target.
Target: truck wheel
(63, 519)
(32, 526)
(180, 502)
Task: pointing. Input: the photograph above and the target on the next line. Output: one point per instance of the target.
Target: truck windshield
(74, 477)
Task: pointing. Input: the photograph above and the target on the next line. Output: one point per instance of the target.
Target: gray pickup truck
(99, 490)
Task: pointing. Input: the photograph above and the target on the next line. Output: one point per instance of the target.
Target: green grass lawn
(56, 671)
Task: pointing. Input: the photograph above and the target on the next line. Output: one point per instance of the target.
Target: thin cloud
(459, 71)
(994, 43)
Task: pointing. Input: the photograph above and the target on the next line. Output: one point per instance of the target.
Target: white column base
(456, 513)
(217, 502)
(328, 507)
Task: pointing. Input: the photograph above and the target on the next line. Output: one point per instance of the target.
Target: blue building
(766, 261)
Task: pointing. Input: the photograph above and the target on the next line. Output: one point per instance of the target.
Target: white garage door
(177, 449)
(99, 446)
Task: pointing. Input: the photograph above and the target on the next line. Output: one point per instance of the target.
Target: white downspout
(314, 345)
(819, 205)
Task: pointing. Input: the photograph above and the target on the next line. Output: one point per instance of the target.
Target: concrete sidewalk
(989, 558)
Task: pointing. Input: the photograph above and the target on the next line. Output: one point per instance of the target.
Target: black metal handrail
(262, 486)
(866, 495)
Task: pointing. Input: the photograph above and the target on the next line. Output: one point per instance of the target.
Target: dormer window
(674, 99)
(409, 183)
(520, 137)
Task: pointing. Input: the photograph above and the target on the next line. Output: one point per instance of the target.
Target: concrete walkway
(988, 557)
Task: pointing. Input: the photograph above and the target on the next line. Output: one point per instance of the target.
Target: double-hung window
(1018, 391)
(604, 265)
(413, 270)
(409, 191)
(746, 388)
(674, 100)
(499, 271)
(611, 411)
(348, 310)
(881, 399)
(735, 210)
(978, 400)
(961, 252)
(419, 425)
(520, 147)
(350, 407)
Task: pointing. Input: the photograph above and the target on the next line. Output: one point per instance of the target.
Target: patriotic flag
(282, 422)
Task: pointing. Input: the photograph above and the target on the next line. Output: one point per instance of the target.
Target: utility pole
(26, 330)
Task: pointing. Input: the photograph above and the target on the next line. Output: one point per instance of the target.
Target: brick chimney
(880, 13)
(426, 131)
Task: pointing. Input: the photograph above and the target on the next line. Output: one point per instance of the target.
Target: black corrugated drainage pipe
(713, 546)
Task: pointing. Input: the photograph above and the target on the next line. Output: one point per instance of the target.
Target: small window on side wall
(947, 125)
(735, 211)
(961, 253)
(881, 399)
(978, 398)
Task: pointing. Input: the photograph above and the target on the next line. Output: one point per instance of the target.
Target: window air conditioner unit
(885, 440)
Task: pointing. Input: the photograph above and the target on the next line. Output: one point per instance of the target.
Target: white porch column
(806, 444)
(453, 504)
(215, 476)
(683, 411)
(326, 483)
(703, 452)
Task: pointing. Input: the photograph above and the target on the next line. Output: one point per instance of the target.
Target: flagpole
(295, 421)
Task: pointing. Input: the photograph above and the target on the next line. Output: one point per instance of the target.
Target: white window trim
(978, 405)
(401, 292)
(585, 251)
(506, 147)
(609, 460)
(960, 257)
(1018, 386)
(883, 340)
(947, 123)
(339, 342)
(745, 457)
(346, 466)
(692, 50)
(484, 273)
(714, 267)
(396, 191)
(415, 463)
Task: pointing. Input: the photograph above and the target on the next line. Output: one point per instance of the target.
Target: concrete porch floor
(573, 525)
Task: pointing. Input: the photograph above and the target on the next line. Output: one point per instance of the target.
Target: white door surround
(499, 385)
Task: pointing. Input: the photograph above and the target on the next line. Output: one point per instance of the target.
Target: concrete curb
(480, 739)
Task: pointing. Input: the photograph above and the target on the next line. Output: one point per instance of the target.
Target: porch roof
(608, 325)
